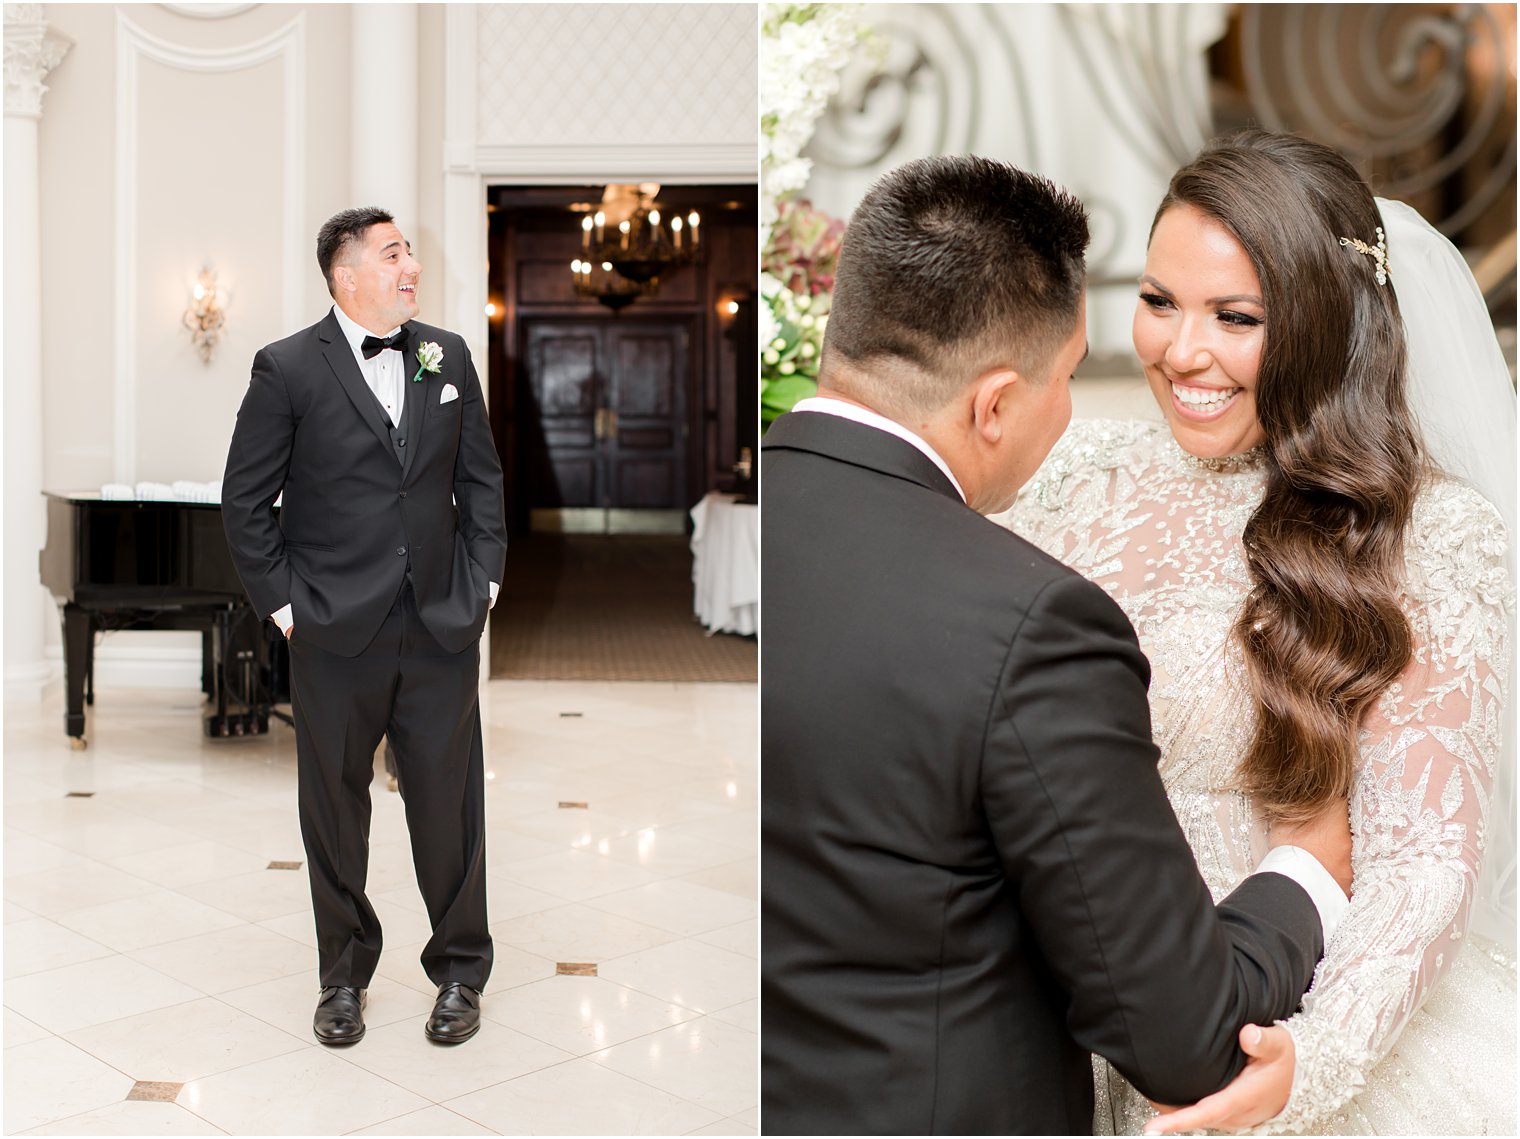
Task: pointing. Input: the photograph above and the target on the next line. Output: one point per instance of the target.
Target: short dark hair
(953, 265)
(343, 229)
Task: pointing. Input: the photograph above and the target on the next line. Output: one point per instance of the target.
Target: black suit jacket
(356, 517)
(972, 877)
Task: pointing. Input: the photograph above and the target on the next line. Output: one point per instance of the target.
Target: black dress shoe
(340, 1015)
(456, 1014)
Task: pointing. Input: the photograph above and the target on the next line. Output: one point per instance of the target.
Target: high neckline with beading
(1224, 464)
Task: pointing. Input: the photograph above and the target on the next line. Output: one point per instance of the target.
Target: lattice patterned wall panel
(603, 74)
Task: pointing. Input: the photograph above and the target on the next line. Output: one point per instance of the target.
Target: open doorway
(612, 423)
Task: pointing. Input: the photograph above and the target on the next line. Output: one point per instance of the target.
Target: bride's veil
(1464, 401)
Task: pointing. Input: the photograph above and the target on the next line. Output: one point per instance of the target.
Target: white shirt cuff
(1297, 863)
(495, 589)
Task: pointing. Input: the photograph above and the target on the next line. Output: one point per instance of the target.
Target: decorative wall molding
(208, 11)
(132, 45)
(459, 103)
(464, 222)
(632, 162)
(32, 49)
(459, 157)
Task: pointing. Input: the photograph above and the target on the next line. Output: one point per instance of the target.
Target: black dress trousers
(427, 699)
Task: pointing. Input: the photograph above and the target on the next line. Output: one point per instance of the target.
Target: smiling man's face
(377, 280)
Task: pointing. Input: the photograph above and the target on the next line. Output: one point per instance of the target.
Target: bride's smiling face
(1199, 327)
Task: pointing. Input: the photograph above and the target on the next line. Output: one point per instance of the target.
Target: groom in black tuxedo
(386, 553)
(972, 877)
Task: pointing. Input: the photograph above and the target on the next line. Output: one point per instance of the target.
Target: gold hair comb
(1378, 253)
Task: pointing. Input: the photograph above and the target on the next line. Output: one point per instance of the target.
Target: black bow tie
(372, 346)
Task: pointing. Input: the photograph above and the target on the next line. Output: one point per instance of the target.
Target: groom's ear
(343, 278)
(991, 394)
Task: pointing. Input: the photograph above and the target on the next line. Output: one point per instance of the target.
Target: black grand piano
(129, 564)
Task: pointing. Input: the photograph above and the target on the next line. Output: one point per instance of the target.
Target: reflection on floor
(607, 607)
(160, 976)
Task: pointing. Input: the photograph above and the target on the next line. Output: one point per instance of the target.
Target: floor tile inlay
(155, 1091)
(284, 865)
(575, 968)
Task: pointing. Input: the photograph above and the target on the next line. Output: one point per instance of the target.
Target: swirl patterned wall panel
(1420, 97)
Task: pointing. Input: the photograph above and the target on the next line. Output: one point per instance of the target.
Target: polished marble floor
(160, 975)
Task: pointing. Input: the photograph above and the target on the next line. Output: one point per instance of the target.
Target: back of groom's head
(952, 266)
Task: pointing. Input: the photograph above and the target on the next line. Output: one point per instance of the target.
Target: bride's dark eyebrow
(1240, 298)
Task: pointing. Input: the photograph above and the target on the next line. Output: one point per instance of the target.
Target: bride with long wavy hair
(1327, 608)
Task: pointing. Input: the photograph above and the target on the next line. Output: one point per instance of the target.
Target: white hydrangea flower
(803, 51)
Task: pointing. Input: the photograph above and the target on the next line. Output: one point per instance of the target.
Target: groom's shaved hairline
(952, 264)
(341, 235)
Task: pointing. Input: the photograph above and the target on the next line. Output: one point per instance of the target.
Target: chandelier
(631, 235)
(605, 285)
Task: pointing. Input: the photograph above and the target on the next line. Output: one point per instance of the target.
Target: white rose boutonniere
(430, 359)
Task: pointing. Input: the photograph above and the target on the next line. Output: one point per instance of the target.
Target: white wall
(168, 142)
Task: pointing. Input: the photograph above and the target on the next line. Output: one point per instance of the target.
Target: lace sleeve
(1418, 809)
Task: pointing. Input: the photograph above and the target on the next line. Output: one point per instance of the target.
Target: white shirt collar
(828, 406)
(355, 333)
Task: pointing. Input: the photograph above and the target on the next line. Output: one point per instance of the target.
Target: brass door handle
(606, 423)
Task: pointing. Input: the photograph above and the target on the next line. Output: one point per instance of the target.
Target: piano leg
(78, 637)
(208, 664)
(224, 673)
(220, 724)
(89, 669)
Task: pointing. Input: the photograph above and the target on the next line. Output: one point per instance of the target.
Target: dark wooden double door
(606, 406)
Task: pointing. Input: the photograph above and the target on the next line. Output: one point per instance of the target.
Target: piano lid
(125, 553)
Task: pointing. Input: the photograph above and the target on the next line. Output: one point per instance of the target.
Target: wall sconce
(206, 314)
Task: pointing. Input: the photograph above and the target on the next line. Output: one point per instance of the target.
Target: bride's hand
(1255, 1096)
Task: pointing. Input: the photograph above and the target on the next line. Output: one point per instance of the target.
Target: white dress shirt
(1290, 861)
(385, 374)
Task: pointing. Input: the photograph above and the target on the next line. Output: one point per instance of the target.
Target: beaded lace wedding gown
(1401, 1032)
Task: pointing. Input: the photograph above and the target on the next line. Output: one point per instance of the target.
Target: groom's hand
(1258, 1094)
(1327, 836)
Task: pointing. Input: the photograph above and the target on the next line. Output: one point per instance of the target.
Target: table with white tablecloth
(725, 563)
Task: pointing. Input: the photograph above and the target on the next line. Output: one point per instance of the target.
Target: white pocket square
(450, 392)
